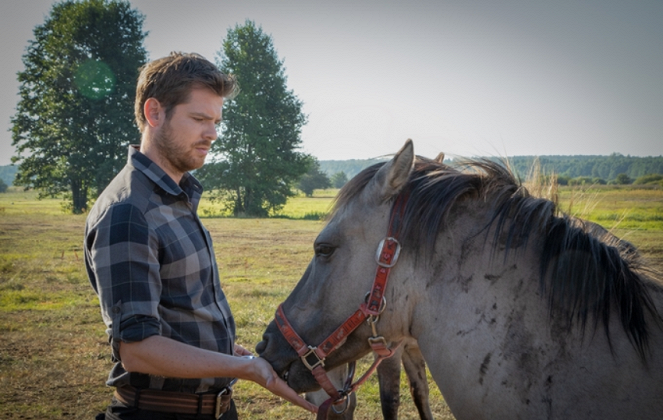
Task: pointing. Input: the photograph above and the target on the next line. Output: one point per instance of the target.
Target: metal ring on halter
(345, 395)
(383, 304)
(344, 398)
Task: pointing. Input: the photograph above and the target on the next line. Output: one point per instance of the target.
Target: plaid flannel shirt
(151, 262)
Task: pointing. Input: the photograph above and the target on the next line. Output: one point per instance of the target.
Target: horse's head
(341, 273)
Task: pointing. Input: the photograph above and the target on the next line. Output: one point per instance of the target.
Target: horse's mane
(585, 271)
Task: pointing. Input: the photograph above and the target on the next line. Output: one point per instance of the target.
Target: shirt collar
(189, 185)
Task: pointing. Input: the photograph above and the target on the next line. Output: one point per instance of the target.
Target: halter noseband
(314, 357)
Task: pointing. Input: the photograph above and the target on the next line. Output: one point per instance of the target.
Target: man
(151, 261)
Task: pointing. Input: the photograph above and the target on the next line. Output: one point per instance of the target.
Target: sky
(464, 77)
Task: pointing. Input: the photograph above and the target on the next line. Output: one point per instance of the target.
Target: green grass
(16, 201)
(299, 207)
(309, 208)
(616, 207)
(54, 355)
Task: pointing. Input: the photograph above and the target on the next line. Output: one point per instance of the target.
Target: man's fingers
(281, 388)
(241, 351)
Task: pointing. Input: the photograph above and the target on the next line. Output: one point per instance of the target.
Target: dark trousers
(118, 411)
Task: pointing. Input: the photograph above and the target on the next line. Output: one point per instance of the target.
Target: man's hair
(170, 80)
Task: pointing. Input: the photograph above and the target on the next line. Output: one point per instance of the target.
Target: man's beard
(177, 154)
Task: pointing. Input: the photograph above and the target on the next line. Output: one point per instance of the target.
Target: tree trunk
(238, 209)
(78, 196)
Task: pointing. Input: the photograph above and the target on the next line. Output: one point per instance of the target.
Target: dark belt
(213, 404)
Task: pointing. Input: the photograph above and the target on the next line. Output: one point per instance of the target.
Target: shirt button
(116, 309)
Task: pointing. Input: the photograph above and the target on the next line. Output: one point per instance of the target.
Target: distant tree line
(570, 170)
(615, 169)
(8, 173)
(349, 167)
(606, 168)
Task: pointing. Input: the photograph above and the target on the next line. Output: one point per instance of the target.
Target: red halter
(314, 357)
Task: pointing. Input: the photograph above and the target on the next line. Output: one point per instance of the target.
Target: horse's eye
(324, 250)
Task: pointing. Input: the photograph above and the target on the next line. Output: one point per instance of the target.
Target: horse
(389, 373)
(520, 311)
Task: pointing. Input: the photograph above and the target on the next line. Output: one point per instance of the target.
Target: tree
(313, 179)
(3, 186)
(74, 118)
(255, 161)
(339, 179)
(622, 179)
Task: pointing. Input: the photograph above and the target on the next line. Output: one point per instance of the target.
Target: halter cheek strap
(314, 357)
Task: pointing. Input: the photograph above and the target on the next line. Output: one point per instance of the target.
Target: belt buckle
(219, 404)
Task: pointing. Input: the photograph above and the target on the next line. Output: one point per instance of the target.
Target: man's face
(186, 137)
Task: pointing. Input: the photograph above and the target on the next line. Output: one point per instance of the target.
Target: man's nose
(211, 132)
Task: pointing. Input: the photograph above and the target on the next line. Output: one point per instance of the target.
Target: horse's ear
(393, 176)
(440, 157)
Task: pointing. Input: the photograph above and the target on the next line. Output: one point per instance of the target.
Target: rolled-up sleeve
(122, 258)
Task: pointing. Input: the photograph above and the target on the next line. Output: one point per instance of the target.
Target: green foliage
(566, 167)
(563, 180)
(256, 161)
(339, 179)
(649, 179)
(3, 186)
(582, 180)
(316, 207)
(313, 179)
(623, 179)
(603, 167)
(75, 117)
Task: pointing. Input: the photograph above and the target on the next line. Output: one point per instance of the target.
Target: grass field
(54, 356)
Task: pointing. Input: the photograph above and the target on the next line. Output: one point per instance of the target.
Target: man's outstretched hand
(267, 378)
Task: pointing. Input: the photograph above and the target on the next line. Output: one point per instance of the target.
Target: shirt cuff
(133, 329)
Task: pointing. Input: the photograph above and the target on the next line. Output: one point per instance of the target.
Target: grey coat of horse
(519, 312)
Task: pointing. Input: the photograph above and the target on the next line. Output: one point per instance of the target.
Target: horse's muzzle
(286, 363)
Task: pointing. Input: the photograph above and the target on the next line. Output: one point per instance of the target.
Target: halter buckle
(379, 340)
(379, 253)
(318, 362)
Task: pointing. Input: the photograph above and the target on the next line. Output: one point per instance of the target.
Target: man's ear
(155, 114)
